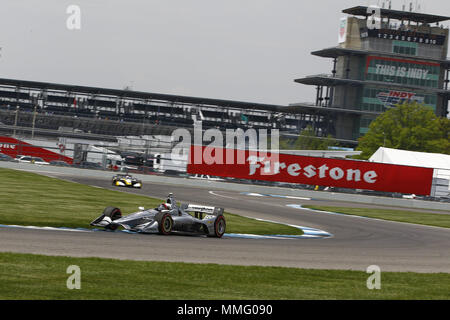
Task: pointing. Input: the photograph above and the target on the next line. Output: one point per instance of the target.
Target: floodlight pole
(34, 121)
(15, 120)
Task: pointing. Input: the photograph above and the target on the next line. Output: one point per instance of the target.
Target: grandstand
(112, 112)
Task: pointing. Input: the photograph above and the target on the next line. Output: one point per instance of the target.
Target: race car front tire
(114, 213)
(219, 227)
(165, 223)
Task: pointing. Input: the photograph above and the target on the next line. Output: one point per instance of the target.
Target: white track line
(219, 195)
(274, 196)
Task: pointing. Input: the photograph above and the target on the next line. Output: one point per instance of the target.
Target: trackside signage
(14, 147)
(309, 170)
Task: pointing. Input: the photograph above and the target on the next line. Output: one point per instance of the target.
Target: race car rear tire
(114, 213)
(165, 223)
(219, 227)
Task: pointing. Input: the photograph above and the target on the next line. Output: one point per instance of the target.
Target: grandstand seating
(115, 112)
(14, 95)
(59, 99)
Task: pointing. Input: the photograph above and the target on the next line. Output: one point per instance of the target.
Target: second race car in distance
(126, 180)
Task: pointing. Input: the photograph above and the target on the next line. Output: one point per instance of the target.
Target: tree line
(409, 126)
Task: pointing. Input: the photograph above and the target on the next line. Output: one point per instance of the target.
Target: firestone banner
(309, 170)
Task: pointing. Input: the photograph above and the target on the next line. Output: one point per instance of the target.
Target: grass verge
(26, 276)
(32, 199)
(430, 219)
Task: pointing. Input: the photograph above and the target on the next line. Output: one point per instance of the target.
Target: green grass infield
(36, 200)
(26, 276)
(430, 219)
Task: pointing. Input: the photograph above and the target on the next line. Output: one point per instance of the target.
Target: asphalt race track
(356, 243)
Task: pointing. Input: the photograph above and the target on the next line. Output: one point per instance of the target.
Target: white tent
(437, 161)
(411, 158)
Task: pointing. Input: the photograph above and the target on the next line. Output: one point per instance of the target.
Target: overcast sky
(248, 50)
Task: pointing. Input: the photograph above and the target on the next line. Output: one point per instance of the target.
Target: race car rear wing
(215, 211)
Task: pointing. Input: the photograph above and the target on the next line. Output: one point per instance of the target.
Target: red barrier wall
(310, 170)
(13, 147)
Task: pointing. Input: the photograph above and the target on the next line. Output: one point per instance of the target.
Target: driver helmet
(169, 198)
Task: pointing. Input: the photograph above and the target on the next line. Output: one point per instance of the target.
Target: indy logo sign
(391, 98)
